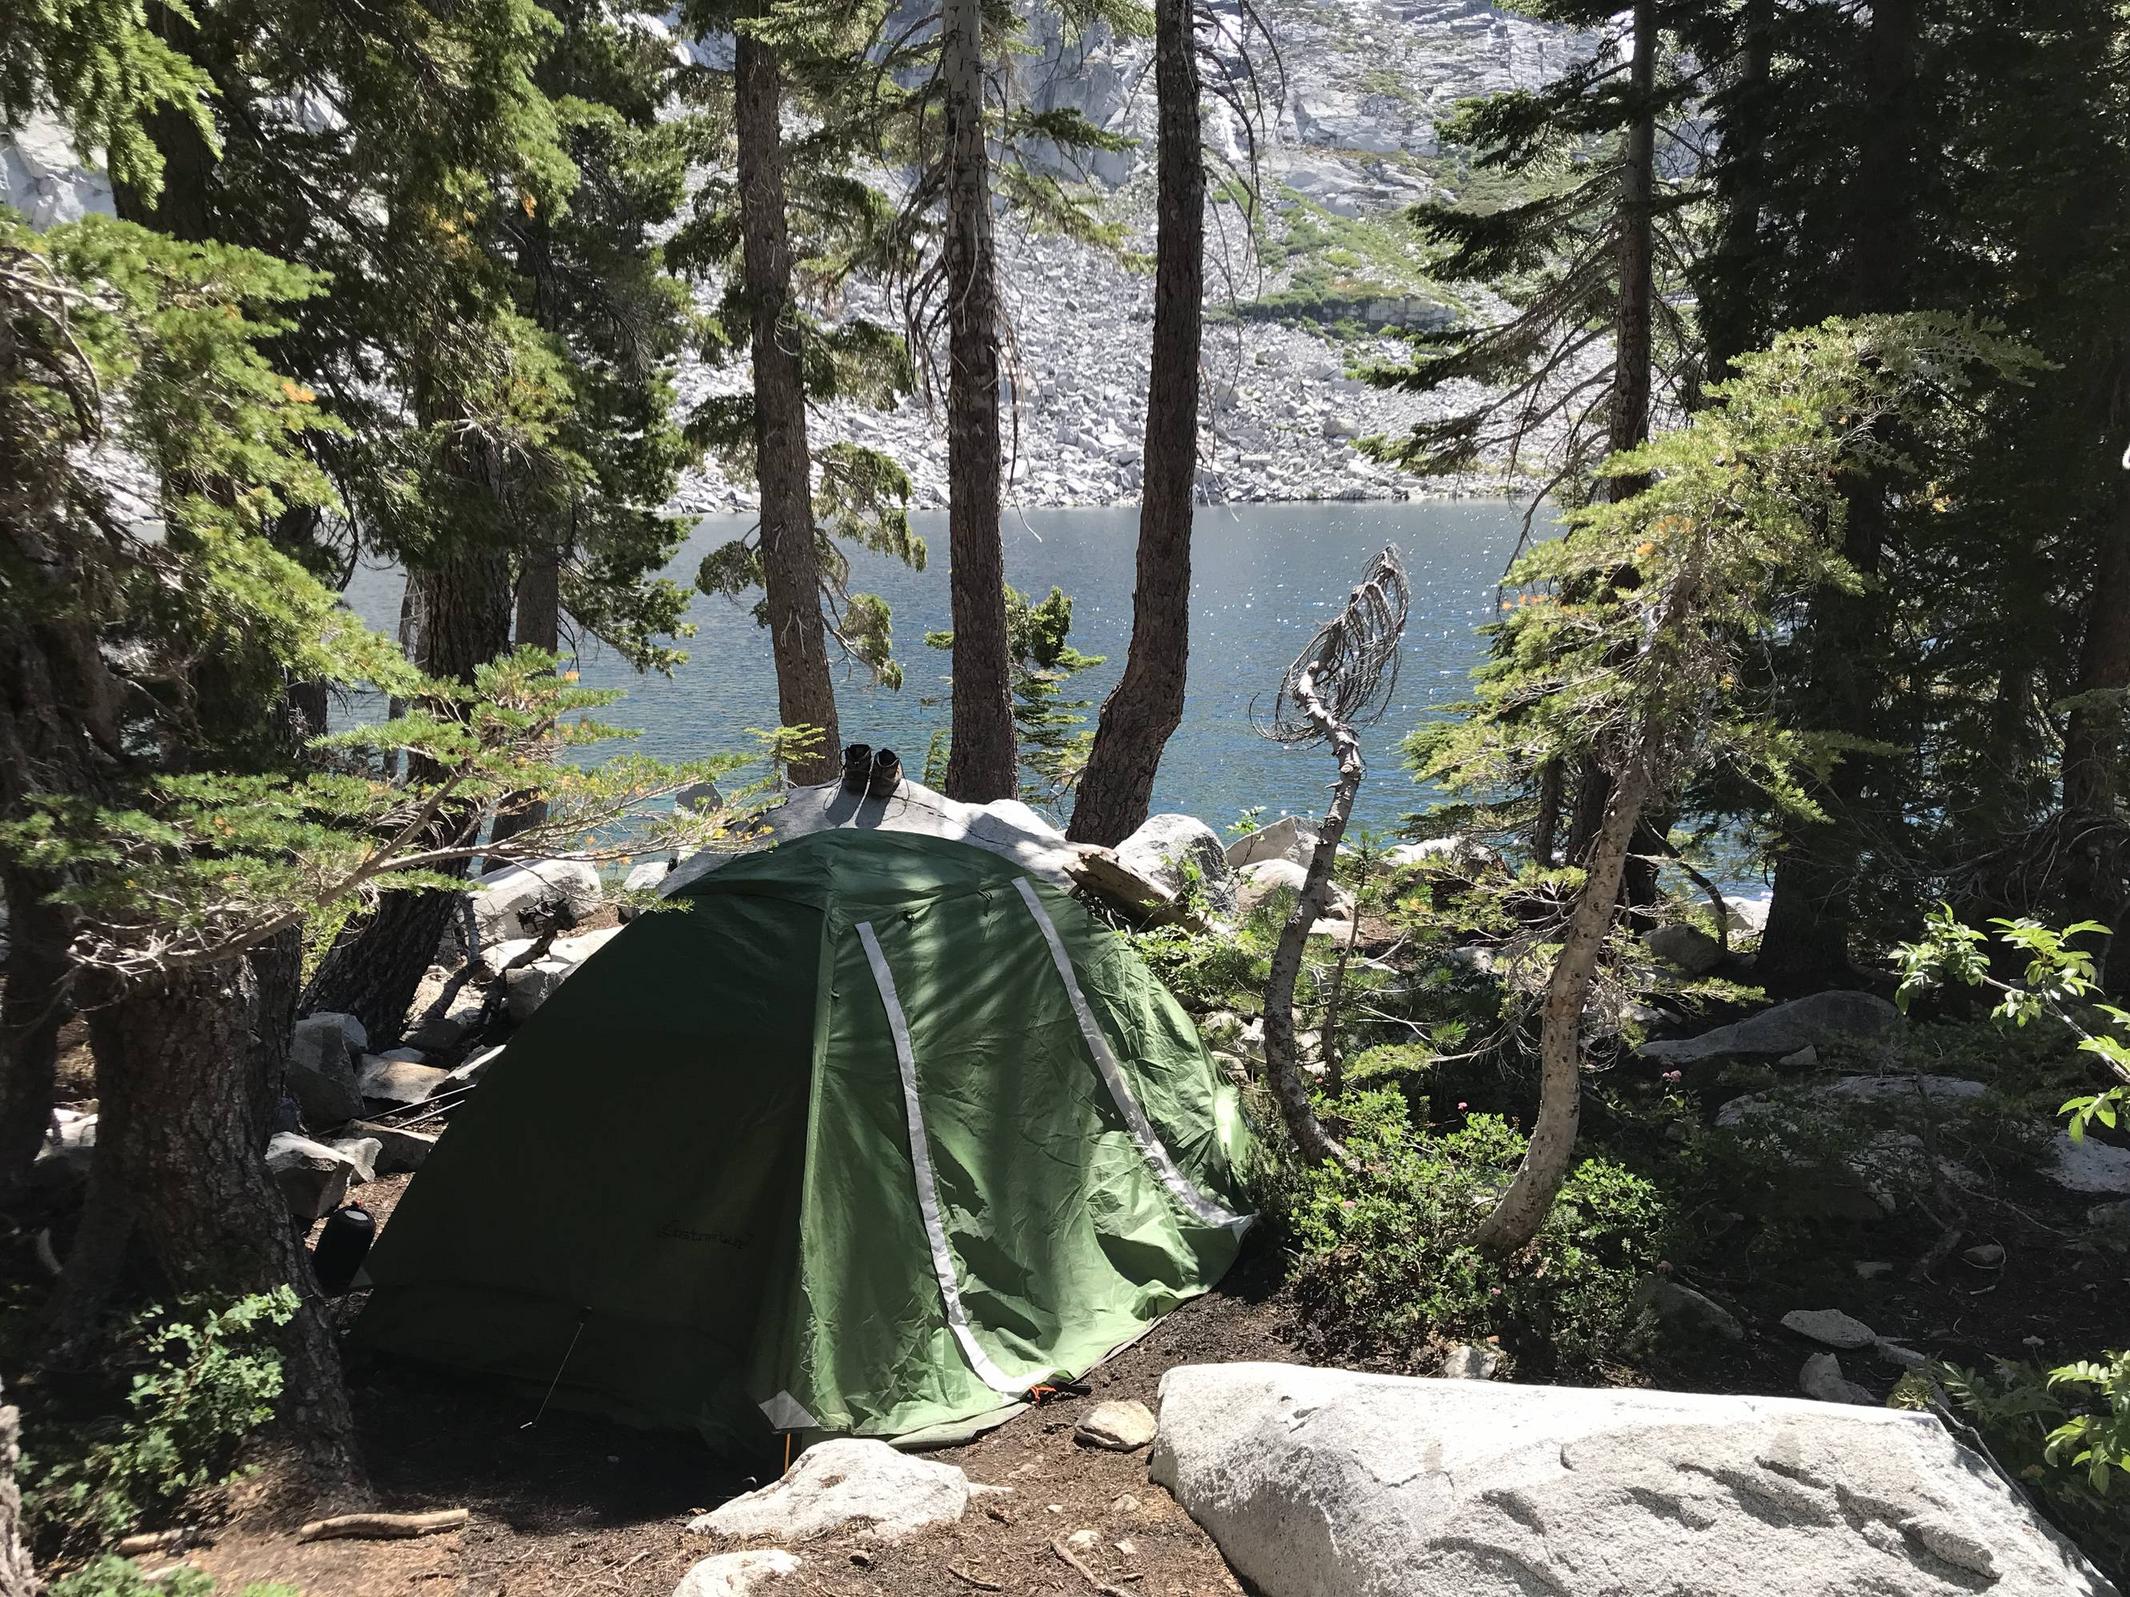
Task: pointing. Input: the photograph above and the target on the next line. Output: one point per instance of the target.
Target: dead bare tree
(1341, 681)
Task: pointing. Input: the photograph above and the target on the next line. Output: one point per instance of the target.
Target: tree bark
(33, 1007)
(791, 562)
(1805, 945)
(1145, 707)
(2096, 734)
(1634, 343)
(464, 611)
(1283, 1070)
(1523, 1208)
(1730, 321)
(982, 763)
(1634, 351)
(539, 626)
(203, 1201)
(17, 1576)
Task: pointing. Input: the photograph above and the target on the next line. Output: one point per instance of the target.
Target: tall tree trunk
(203, 1202)
(1730, 324)
(1146, 705)
(539, 626)
(1806, 942)
(1551, 1151)
(981, 761)
(2096, 747)
(1634, 352)
(1283, 1070)
(464, 611)
(1633, 328)
(791, 562)
(17, 1576)
(33, 1007)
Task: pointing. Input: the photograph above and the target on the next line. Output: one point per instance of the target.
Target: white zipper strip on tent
(1205, 1209)
(935, 1229)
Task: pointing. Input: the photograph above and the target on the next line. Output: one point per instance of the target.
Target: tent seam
(1151, 1148)
(927, 1181)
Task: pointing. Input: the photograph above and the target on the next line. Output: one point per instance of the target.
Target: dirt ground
(575, 1505)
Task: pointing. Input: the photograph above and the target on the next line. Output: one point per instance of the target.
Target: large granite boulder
(1325, 1483)
(1785, 1030)
(1179, 853)
(1259, 883)
(1285, 839)
(508, 901)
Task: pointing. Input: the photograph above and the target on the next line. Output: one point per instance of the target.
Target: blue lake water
(1264, 577)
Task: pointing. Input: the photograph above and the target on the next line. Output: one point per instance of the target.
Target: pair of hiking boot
(870, 774)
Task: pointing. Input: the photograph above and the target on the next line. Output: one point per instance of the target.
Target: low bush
(210, 1378)
(1385, 1270)
(2065, 1434)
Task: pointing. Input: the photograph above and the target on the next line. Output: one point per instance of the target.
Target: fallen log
(369, 1526)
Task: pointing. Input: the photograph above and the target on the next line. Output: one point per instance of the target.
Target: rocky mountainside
(1346, 101)
(1343, 99)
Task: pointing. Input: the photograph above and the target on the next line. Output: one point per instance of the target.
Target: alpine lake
(1263, 579)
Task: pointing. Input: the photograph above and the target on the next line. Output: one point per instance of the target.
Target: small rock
(1687, 948)
(738, 1574)
(1084, 1541)
(1830, 1328)
(1872, 1269)
(396, 1081)
(398, 1149)
(1806, 1058)
(855, 1483)
(1126, 1546)
(312, 1176)
(2110, 1223)
(1986, 1255)
(362, 1153)
(1681, 1308)
(1471, 1363)
(1124, 1503)
(475, 1067)
(1121, 1427)
(1285, 839)
(322, 1054)
(1822, 1379)
(1906, 1358)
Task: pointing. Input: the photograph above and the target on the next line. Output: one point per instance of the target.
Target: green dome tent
(867, 1134)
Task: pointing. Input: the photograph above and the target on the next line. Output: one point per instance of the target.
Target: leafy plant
(2065, 1432)
(1386, 1264)
(2058, 984)
(213, 1378)
(111, 1576)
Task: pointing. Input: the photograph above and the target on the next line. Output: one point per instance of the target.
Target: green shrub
(110, 1576)
(121, 1577)
(2065, 1432)
(1385, 1268)
(211, 1380)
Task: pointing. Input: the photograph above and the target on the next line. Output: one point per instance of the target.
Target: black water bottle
(343, 1243)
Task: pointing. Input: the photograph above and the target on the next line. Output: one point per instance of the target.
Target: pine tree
(1146, 705)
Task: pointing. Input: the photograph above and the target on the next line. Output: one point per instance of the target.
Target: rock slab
(1773, 1033)
(850, 1483)
(1326, 1483)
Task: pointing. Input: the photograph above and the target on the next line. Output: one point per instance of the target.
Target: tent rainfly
(867, 1134)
